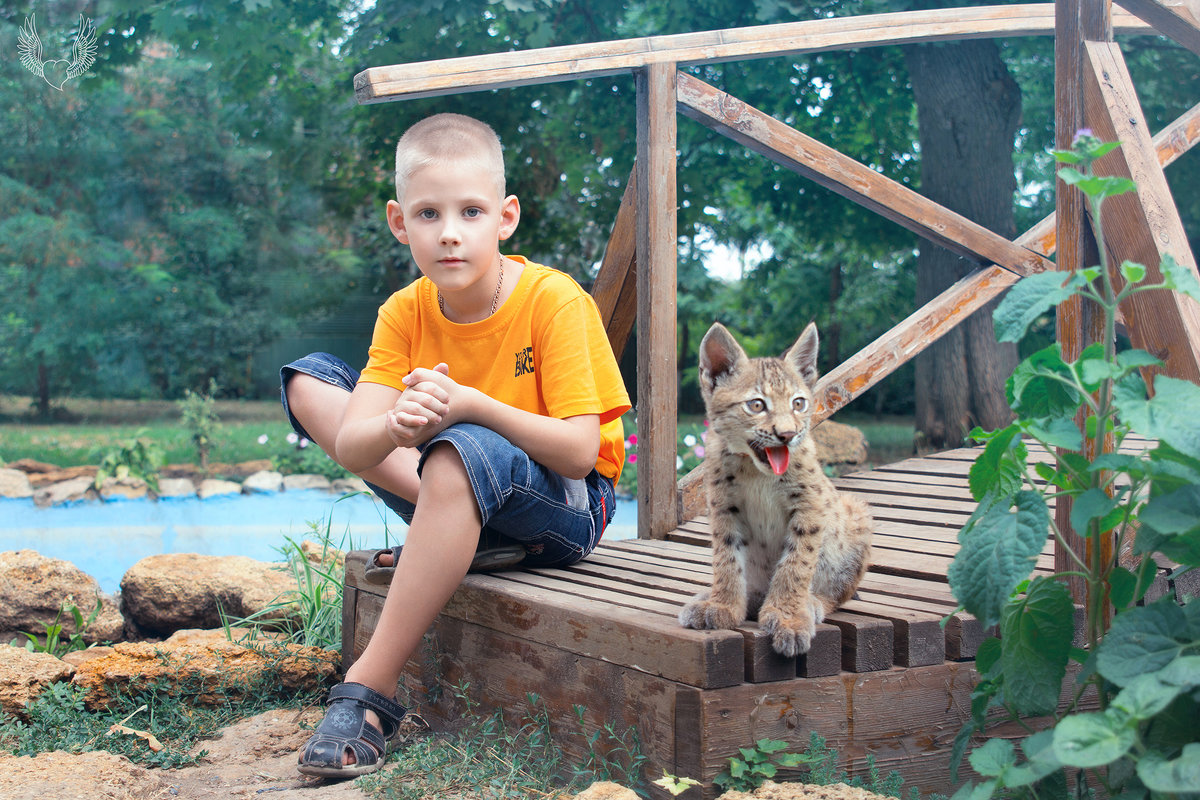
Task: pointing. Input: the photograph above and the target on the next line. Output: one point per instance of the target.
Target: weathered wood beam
(1178, 20)
(657, 250)
(615, 287)
(574, 62)
(1141, 226)
(822, 164)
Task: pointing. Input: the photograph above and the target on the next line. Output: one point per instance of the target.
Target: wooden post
(1077, 324)
(656, 280)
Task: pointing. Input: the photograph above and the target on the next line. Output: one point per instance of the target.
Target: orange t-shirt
(544, 351)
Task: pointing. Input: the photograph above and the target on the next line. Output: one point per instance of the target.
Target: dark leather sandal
(345, 728)
(488, 559)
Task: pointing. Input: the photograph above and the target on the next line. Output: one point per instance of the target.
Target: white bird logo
(56, 72)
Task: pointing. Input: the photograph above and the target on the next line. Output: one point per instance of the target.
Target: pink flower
(303, 443)
(633, 458)
(699, 451)
(293, 437)
(633, 440)
(262, 439)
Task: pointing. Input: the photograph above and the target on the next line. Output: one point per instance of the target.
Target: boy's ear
(510, 215)
(395, 220)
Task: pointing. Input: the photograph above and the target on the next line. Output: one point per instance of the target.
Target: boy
(489, 409)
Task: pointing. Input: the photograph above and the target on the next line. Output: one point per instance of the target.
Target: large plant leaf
(1042, 386)
(1092, 740)
(1179, 277)
(1035, 643)
(1029, 298)
(998, 552)
(1180, 774)
(998, 469)
(1170, 524)
(1170, 416)
(1142, 640)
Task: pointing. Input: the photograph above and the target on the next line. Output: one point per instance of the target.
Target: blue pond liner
(104, 539)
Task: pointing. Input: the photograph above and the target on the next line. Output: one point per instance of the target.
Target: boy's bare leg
(437, 551)
(320, 407)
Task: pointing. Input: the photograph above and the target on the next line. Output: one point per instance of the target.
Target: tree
(969, 108)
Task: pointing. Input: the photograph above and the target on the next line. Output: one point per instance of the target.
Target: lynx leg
(791, 612)
(846, 556)
(725, 605)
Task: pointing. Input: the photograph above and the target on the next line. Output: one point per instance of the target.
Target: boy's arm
(363, 440)
(568, 446)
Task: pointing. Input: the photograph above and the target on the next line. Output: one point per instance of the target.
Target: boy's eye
(427, 213)
(471, 213)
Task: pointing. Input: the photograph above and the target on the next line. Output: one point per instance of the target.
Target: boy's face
(453, 219)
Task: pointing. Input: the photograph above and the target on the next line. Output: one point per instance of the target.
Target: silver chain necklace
(495, 297)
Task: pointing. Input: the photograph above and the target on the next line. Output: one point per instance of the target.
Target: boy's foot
(382, 566)
(346, 744)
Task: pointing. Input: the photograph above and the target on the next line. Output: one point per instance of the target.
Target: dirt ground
(16, 408)
(252, 758)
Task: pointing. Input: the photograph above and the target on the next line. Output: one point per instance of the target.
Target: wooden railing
(639, 268)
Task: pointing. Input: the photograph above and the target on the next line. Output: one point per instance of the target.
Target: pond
(104, 539)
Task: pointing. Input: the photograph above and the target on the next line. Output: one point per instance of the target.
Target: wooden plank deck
(883, 676)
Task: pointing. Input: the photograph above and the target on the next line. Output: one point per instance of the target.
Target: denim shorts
(557, 520)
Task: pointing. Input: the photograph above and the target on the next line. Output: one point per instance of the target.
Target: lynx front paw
(702, 613)
(790, 636)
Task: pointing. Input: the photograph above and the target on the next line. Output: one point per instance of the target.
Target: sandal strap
(390, 712)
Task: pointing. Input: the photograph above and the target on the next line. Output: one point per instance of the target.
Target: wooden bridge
(883, 677)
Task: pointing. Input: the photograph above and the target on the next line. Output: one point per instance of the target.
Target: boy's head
(449, 137)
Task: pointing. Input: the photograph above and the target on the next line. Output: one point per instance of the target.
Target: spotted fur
(788, 547)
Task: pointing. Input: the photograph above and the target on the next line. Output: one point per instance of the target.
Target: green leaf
(1145, 696)
(1091, 740)
(997, 553)
(1042, 386)
(1133, 272)
(1092, 367)
(1170, 416)
(1035, 642)
(1055, 432)
(993, 758)
(1031, 297)
(1179, 278)
(770, 745)
(1092, 504)
(1141, 640)
(1180, 774)
(1126, 588)
(1171, 525)
(998, 469)
(1039, 760)
(970, 791)
(1136, 359)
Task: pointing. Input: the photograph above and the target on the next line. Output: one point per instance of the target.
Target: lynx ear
(720, 354)
(803, 354)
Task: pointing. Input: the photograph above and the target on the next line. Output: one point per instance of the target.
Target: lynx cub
(786, 545)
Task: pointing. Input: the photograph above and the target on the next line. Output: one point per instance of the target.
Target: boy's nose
(450, 234)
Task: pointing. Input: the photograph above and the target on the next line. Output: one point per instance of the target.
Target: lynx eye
(756, 406)
(800, 404)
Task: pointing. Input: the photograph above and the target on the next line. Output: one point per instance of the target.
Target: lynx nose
(786, 436)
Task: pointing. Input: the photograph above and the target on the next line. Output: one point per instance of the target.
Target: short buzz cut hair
(449, 137)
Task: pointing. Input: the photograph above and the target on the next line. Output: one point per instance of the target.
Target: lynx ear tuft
(720, 354)
(802, 355)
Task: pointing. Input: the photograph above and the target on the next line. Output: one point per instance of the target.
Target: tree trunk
(968, 110)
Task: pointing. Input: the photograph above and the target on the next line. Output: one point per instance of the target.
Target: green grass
(85, 429)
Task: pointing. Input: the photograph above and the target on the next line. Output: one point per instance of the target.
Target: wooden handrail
(577, 62)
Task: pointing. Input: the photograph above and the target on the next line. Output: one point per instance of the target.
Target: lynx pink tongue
(778, 457)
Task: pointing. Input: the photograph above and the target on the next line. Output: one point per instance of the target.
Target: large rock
(165, 593)
(24, 676)
(263, 482)
(214, 487)
(68, 491)
(839, 444)
(14, 484)
(35, 588)
(293, 483)
(123, 489)
(176, 487)
(207, 669)
(80, 776)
